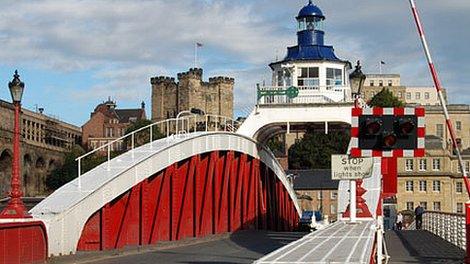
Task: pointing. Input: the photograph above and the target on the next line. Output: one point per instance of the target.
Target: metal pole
(207, 122)
(151, 135)
(15, 207)
(79, 174)
(352, 201)
(109, 155)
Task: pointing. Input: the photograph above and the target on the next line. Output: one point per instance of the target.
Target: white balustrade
(449, 226)
(172, 127)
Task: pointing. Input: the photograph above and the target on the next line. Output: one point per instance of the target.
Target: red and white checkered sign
(377, 111)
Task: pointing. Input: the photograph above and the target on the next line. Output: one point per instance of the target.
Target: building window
(409, 165)
(426, 95)
(371, 83)
(333, 209)
(467, 166)
(440, 130)
(458, 187)
(280, 79)
(423, 186)
(458, 125)
(400, 95)
(436, 206)
(381, 83)
(334, 77)
(422, 165)
(334, 195)
(418, 96)
(410, 206)
(308, 77)
(436, 164)
(409, 186)
(424, 205)
(459, 208)
(408, 96)
(390, 82)
(436, 186)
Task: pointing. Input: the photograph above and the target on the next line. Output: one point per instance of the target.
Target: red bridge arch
(210, 193)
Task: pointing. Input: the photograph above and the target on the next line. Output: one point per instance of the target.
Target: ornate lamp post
(15, 207)
(357, 79)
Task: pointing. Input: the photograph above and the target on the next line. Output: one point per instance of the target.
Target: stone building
(108, 123)
(410, 95)
(316, 191)
(170, 97)
(435, 181)
(44, 142)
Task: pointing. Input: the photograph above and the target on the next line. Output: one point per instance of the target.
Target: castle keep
(170, 97)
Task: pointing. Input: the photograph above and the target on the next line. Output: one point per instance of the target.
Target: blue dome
(310, 10)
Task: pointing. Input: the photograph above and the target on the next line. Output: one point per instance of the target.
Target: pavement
(339, 242)
(240, 247)
(419, 246)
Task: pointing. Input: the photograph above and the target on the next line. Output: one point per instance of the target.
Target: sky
(73, 54)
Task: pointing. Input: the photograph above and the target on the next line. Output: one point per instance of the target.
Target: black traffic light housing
(387, 132)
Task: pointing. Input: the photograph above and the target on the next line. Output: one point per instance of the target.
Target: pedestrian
(399, 222)
(419, 216)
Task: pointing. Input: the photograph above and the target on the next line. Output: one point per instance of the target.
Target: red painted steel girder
(212, 193)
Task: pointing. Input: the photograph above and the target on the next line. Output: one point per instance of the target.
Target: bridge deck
(419, 246)
(338, 243)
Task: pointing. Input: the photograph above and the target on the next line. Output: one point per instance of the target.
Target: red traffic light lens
(406, 127)
(373, 127)
(389, 140)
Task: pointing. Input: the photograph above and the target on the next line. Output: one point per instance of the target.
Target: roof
(317, 179)
(310, 10)
(126, 114)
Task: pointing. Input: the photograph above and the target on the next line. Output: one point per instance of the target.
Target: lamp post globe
(15, 207)
(16, 87)
(357, 79)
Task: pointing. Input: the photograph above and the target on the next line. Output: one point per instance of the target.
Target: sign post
(343, 167)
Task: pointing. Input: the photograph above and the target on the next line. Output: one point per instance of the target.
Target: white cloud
(126, 42)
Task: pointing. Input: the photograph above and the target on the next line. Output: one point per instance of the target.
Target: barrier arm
(450, 127)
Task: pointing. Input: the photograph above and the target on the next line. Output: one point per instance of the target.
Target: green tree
(385, 98)
(315, 149)
(142, 137)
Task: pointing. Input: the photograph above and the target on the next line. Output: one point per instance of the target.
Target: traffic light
(387, 130)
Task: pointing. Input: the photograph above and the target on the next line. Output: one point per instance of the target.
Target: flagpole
(195, 55)
(380, 67)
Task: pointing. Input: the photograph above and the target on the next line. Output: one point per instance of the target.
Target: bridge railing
(449, 226)
(306, 95)
(160, 129)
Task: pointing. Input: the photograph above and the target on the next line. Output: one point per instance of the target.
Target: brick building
(44, 142)
(316, 191)
(108, 123)
(170, 97)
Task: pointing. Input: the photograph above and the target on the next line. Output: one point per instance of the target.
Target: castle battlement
(221, 80)
(162, 80)
(195, 73)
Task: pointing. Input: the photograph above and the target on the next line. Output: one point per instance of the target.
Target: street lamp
(15, 207)
(357, 79)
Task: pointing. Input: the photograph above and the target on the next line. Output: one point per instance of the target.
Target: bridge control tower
(310, 85)
(310, 66)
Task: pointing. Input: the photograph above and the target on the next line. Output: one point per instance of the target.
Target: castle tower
(213, 97)
(311, 66)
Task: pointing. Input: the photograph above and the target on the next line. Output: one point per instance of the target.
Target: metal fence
(306, 95)
(167, 128)
(449, 226)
